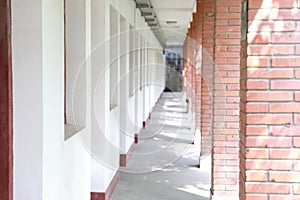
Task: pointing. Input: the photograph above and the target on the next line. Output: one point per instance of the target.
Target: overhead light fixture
(146, 14)
(142, 5)
(171, 22)
(149, 13)
(149, 19)
(152, 25)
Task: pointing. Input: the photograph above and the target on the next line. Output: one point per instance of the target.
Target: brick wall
(227, 98)
(188, 63)
(273, 107)
(208, 30)
(253, 68)
(185, 68)
(193, 61)
(198, 64)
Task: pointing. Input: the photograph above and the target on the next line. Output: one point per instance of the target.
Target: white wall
(106, 131)
(53, 94)
(125, 139)
(46, 165)
(27, 56)
(76, 40)
(100, 98)
(77, 149)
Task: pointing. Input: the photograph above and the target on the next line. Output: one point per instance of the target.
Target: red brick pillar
(198, 64)
(6, 126)
(184, 66)
(192, 55)
(225, 177)
(273, 100)
(188, 64)
(208, 31)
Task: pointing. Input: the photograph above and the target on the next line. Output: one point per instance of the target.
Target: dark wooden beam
(6, 107)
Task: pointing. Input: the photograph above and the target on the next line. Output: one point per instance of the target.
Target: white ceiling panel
(172, 15)
(173, 3)
(174, 18)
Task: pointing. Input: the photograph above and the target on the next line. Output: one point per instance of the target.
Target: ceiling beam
(150, 20)
(147, 14)
(174, 9)
(143, 5)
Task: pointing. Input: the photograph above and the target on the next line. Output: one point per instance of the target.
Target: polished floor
(165, 163)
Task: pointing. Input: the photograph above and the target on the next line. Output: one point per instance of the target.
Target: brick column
(273, 100)
(198, 64)
(188, 64)
(227, 100)
(192, 55)
(6, 119)
(208, 31)
(184, 66)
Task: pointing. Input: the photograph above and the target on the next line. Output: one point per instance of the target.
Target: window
(74, 67)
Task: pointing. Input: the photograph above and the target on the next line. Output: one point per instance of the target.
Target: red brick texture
(227, 97)
(198, 52)
(272, 132)
(188, 53)
(193, 63)
(215, 93)
(250, 83)
(208, 31)
(6, 134)
(198, 64)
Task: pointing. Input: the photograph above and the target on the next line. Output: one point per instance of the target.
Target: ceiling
(169, 19)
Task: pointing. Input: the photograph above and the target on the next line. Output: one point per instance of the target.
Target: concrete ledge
(110, 190)
(125, 157)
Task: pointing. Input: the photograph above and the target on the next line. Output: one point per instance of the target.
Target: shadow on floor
(164, 164)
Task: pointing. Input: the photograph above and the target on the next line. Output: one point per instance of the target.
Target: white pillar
(37, 46)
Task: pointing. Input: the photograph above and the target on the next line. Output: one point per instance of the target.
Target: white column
(37, 46)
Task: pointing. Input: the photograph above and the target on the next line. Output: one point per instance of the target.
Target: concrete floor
(164, 164)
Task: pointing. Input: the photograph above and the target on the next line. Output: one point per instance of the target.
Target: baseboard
(147, 121)
(97, 196)
(125, 157)
(136, 138)
(110, 190)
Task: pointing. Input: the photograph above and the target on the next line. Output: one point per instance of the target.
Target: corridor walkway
(164, 164)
